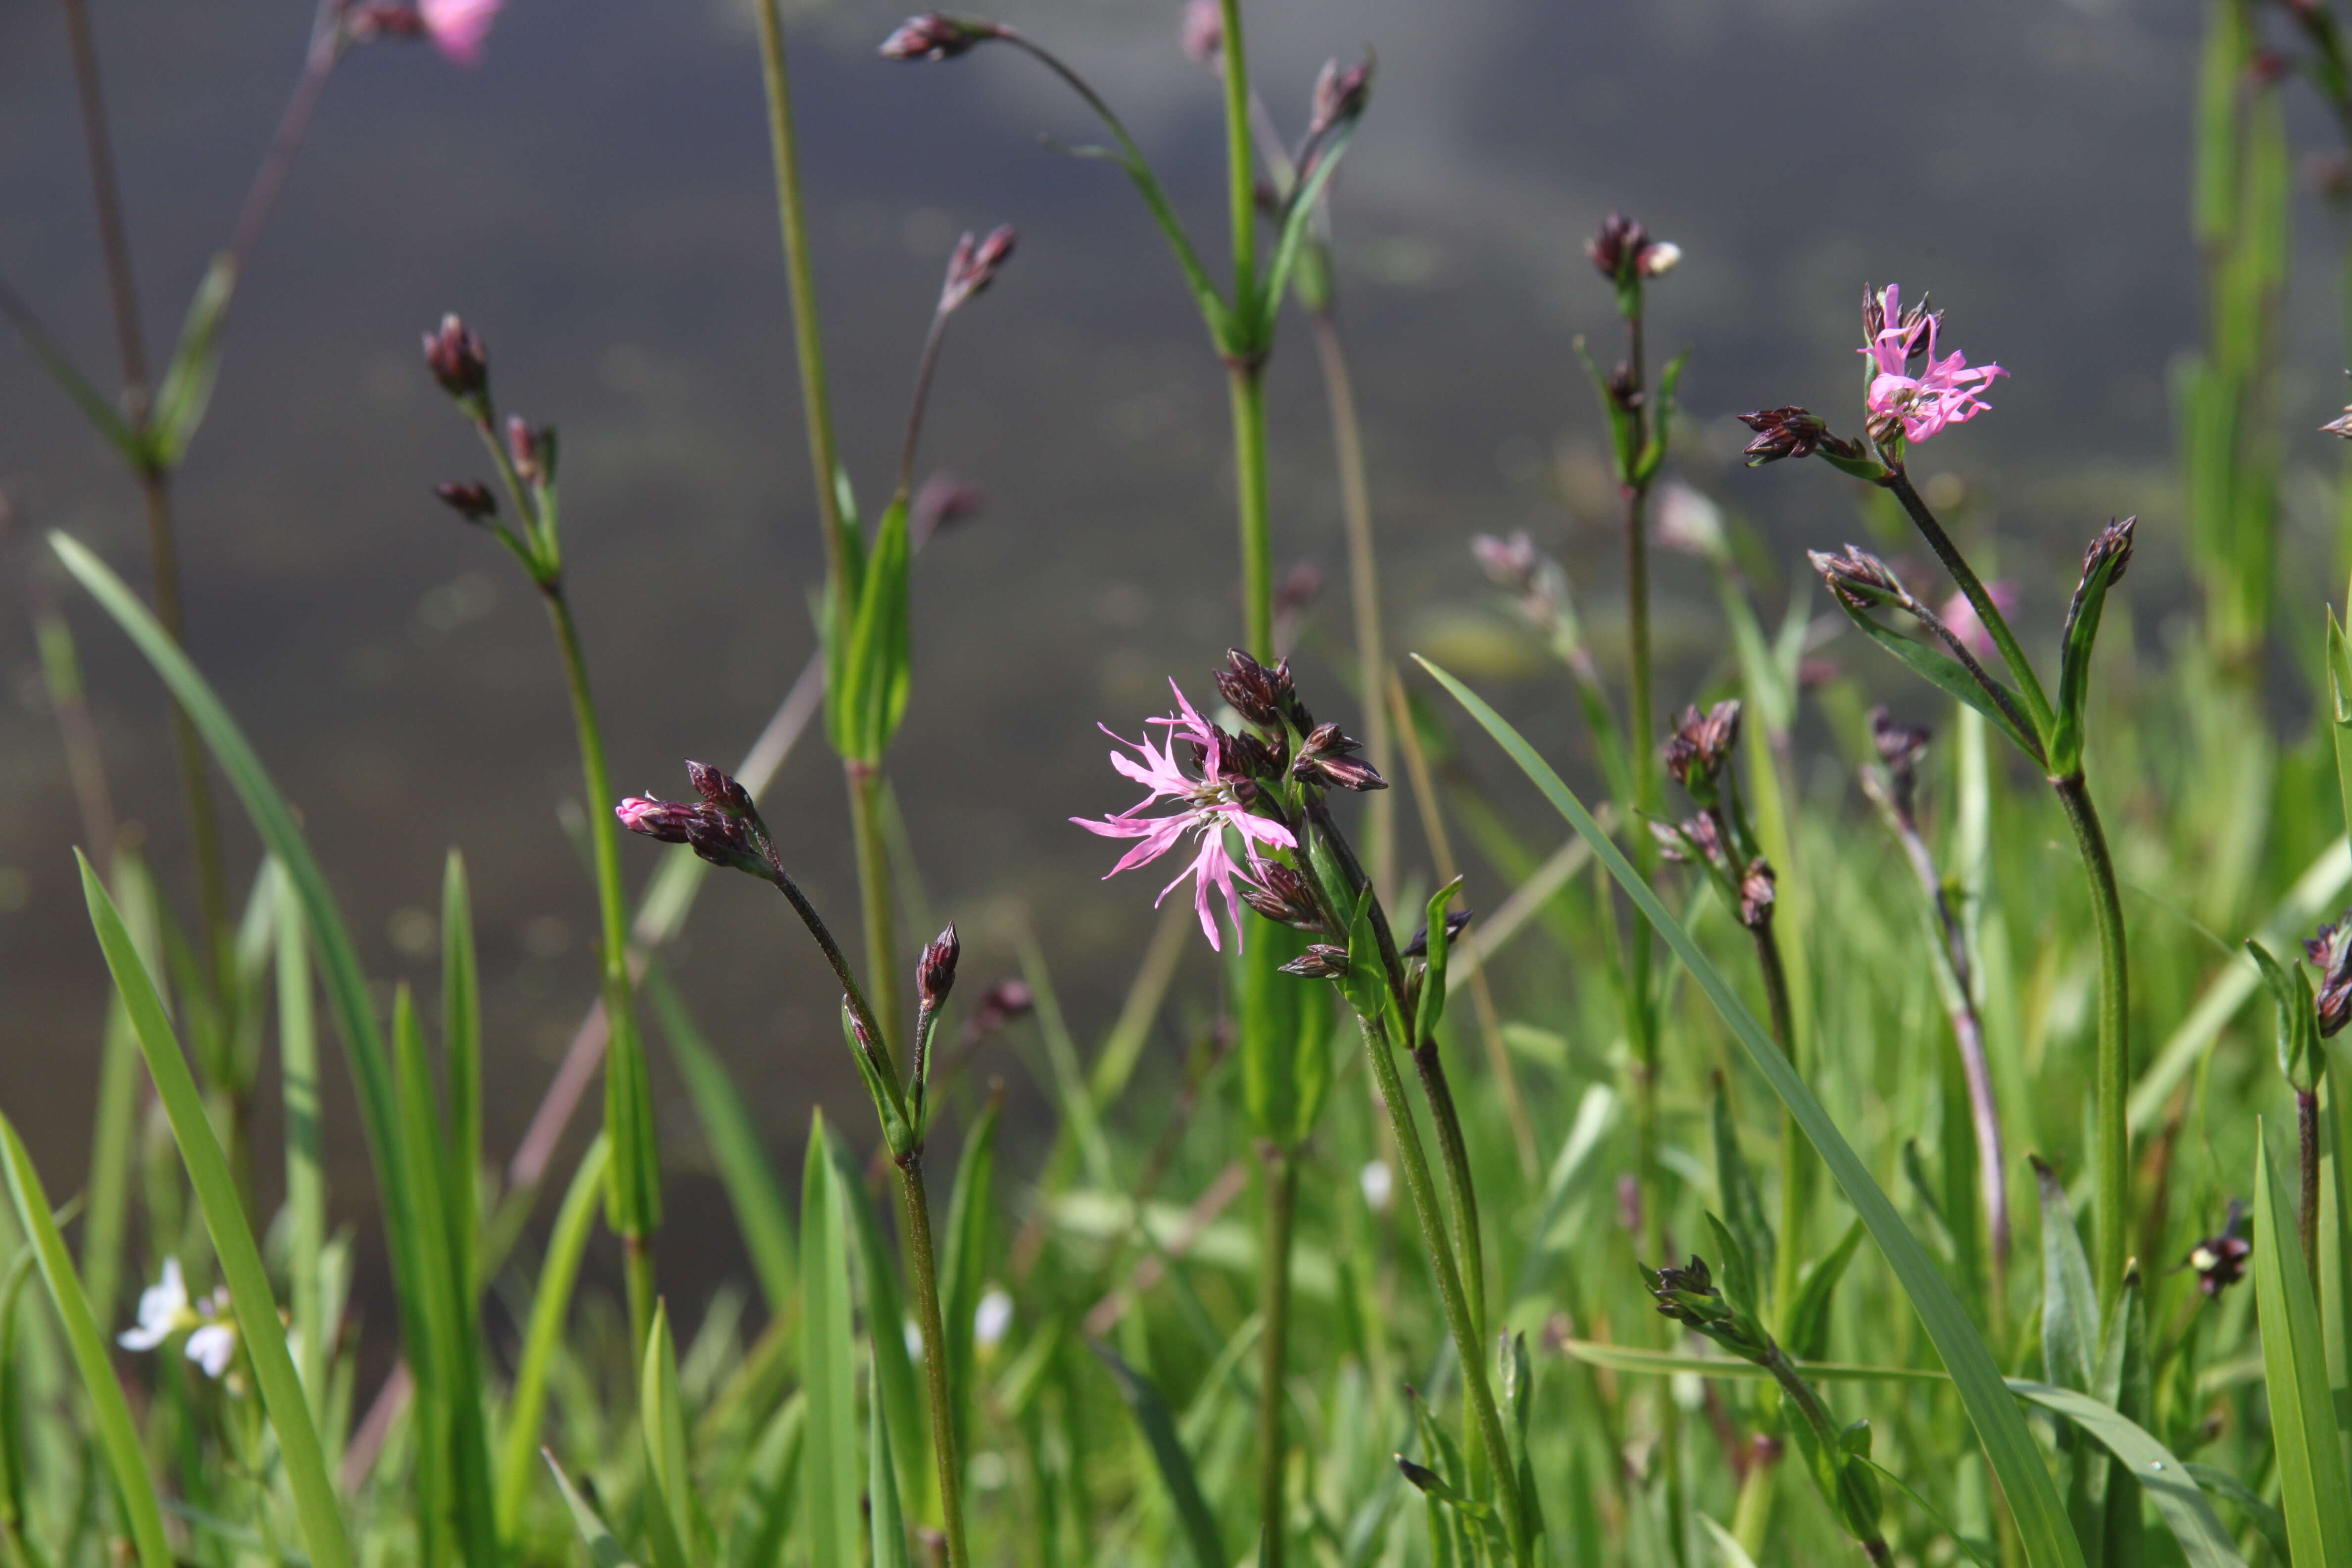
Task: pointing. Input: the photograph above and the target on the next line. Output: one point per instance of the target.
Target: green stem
(2112, 1081)
(1794, 1164)
(1248, 389)
(1274, 1349)
(1363, 590)
(920, 1264)
(1996, 624)
(627, 1094)
(877, 902)
(816, 405)
(2306, 1128)
(1241, 169)
(1453, 1149)
(1467, 1345)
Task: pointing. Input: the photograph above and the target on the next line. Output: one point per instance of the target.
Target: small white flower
(1378, 1184)
(993, 1320)
(213, 1347)
(914, 1334)
(163, 1310)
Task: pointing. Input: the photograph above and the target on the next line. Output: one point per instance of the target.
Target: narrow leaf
(1175, 1466)
(830, 1482)
(2312, 1492)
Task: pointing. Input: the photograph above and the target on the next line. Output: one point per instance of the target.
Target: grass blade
(829, 1477)
(882, 1489)
(548, 1304)
(461, 1046)
(763, 1510)
(2169, 1486)
(963, 1272)
(118, 1436)
(661, 1418)
(604, 1550)
(240, 1258)
(306, 1179)
(2034, 1500)
(886, 1321)
(752, 1191)
(2312, 1492)
(1167, 1453)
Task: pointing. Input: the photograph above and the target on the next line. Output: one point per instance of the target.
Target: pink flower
(1208, 805)
(1961, 616)
(1945, 392)
(459, 26)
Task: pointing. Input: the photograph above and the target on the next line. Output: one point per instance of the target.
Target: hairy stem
(1274, 1349)
(1241, 166)
(1795, 1154)
(2306, 1129)
(1247, 386)
(2112, 1078)
(1996, 624)
(920, 1264)
(877, 901)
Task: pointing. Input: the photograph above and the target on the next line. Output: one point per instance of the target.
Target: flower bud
(1340, 96)
(1455, 919)
(1328, 757)
(1787, 432)
(470, 501)
(1322, 961)
(935, 971)
(720, 790)
(1697, 753)
(665, 820)
(1756, 895)
(1899, 747)
(940, 501)
(1265, 697)
(459, 363)
(2220, 1260)
(1859, 580)
(1000, 1004)
(933, 37)
(531, 451)
(2331, 953)
(1616, 249)
(1511, 562)
(1281, 896)
(974, 265)
(1201, 33)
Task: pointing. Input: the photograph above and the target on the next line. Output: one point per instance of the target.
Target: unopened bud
(470, 501)
(1859, 579)
(1511, 562)
(1623, 251)
(1265, 697)
(1322, 961)
(935, 971)
(1701, 744)
(720, 790)
(1281, 896)
(999, 1006)
(1328, 757)
(458, 362)
(532, 449)
(664, 819)
(1899, 747)
(1340, 96)
(2220, 1260)
(974, 265)
(1756, 895)
(941, 502)
(2331, 953)
(933, 37)
(1788, 432)
(1201, 33)
(1455, 919)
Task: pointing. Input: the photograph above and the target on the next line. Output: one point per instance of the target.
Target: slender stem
(113, 238)
(1817, 1418)
(916, 1205)
(1795, 1158)
(1989, 614)
(627, 1095)
(1274, 1349)
(2113, 1072)
(925, 368)
(1453, 1149)
(2306, 1128)
(816, 405)
(851, 994)
(1248, 397)
(328, 42)
(1467, 1345)
(1363, 590)
(876, 902)
(1240, 167)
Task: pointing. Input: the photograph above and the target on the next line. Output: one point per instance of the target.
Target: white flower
(914, 1336)
(1378, 1184)
(163, 1310)
(213, 1347)
(994, 1318)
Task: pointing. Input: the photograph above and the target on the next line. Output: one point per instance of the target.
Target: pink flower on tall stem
(459, 26)
(1945, 392)
(1207, 806)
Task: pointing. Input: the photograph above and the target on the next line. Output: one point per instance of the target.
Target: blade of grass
(2312, 1491)
(541, 1342)
(461, 1045)
(603, 1551)
(2034, 1504)
(971, 1212)
(2169, 1486)
(829, 1478)
(889, 1520)
(118, 1435)
(886, 1320)
(1167, 1454)
(232, 1243)
(306, 1179)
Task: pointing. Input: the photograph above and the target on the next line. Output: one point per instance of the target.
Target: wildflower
(992, 1319)
(1340, 96)
(1209, 804)
(1858, 579)
(1322, 961)
(1265, 697)
(1960, 617)
(1201, 33)
(1623, 251)
(2331, 953)
(1687, 1294)
(455, 355)
(1282, 897)
(1700, 746)
(931, 36)
(163, 1310)
(214, 1345)
(459, 26)
(719, 837)
(2220, 1260)
(1379, 1184)
(974, 265)
(1328, 757)
(1945, 392)
(935, 971)
(1756, 895)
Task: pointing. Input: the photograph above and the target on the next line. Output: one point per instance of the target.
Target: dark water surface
(597, 200)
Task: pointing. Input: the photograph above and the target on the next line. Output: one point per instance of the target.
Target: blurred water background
(597, 200)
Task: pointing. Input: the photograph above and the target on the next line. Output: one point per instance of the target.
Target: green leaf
(1654, 454)
(2016, 1459)
(1743, 1205)
(305, 1178)
(830, 1482)
(2340, 711)
(753, 1193)
(890, 1520)
(2313, 1493)
(461, 1046)
(187, 386)
(671, 1511)
(1298, 218)
(1806, 1323)
(964, 1256)
(1432, 1007)
(544, 1337)
(885, 1316)
(2267, 1521)
(2298, 1018)
(868, 693)
(1167, 1454)
(2168, 1482)
(2075, 660)
(118, 1435)
(763, 1511)
(1622, 1358)
(258, 1327)
(603, 1551)
(1948, 675)
(2070, 1303)
(1283, 1029)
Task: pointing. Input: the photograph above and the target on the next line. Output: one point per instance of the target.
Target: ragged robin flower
(1945, 391)
(2331, 954)
(1210, 802)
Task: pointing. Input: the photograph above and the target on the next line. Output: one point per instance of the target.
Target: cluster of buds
(1687, 1295)
(2219, 1261)
(934, 36)
(2330, 953)
(974, 266)
(1861, 581)
(723, 828)
(1792, 432)
(1624, 253)
(1899, 747)
(1328, 757)
(1266, 697)
(1282, 896)
(1002, 1004)
(1322, 961)
(1699, 749)
(1914, 325)
(460, 366)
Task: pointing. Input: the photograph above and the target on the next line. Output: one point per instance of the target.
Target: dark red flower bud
(1322, 961)
(2330, 953)
(974, 265)
(933, 37)
(935, 971)
(720, 790)
(1697, 753)
(1756, 895)
(1340, 96)
(1328, 757)
(1783, 433)
(1201, 33)
(472, 501)
(1859, 579)
(941, 502)
(1000, 1004)
(1899, 747)
(457, 361)
(1281, 896)
(667, 820)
